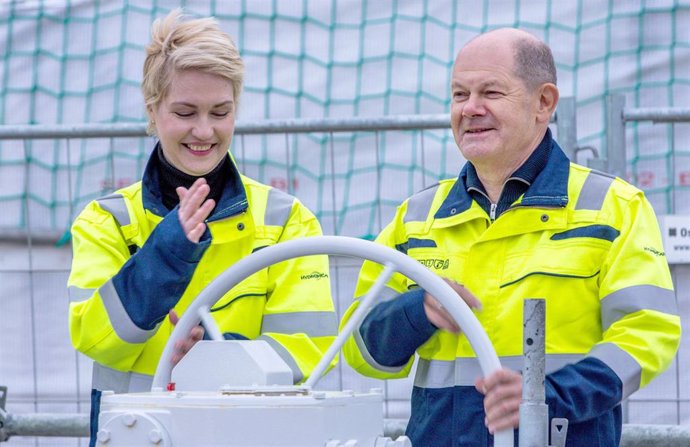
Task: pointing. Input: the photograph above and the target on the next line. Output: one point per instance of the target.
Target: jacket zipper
(492, 212)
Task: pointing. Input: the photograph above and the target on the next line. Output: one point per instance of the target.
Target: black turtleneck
(170, 178)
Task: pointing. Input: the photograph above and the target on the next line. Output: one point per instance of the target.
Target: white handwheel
(393, 261)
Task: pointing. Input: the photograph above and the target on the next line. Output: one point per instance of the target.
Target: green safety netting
(79, 61)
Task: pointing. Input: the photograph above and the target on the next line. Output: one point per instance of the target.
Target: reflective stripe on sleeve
(594, 191)
(369, 359)
(622, 363)
(387, 294)
(435, 373)
(278, 208)
(104, 378)
(419, 205)
(284, 354)
(465, 371)
(633, 299)
(115, 205)
(314, 324)
(122, 324)
(78, 294)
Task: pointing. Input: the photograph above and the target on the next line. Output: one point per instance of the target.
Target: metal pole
(658, 114)
(615, 155)
(615, 136)
(75, 425)
(634, 435)
(639, 435)
(297, 125)
(566, 124)
(262, 127)
(534, 413)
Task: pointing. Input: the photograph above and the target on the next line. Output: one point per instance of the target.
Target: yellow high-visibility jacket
(132, 264)
(586, 242)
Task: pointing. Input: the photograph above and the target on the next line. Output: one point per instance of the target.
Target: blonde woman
(142, 254)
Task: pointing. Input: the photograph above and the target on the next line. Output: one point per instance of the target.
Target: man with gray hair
(520, 221)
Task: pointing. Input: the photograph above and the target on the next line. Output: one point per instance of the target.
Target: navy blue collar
(232, 201)
(546, 170)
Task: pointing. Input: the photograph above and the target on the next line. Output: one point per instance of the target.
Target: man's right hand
(194, 208)
(439, 316)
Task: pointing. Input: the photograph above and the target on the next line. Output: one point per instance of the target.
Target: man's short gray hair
(534, 63)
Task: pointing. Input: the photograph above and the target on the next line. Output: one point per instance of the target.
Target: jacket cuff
(394, 329)
(172, 236)
(413, 305)
(582, 391)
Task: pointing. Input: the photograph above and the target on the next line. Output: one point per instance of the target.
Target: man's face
(493, 115)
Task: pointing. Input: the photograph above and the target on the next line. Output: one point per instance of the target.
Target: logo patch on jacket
(314, 275)
(654, 251)
(436, 264)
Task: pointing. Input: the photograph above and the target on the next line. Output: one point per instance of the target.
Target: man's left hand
(502, 392)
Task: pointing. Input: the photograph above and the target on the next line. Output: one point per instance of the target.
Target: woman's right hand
(194, 208)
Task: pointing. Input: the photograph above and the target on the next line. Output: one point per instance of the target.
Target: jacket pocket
(569, 258)
(254, 285)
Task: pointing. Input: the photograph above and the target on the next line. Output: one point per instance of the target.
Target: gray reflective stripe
(623, 364)
(284, 354)
(387, 294)
(78, 294)
(104, 378)
(633, 299)
(278, 208)
(465, 371)
(123, 325)
(594, 191)
(418, 205)
(369, 359)
(115, 205)
(314, 324)
(435, 373)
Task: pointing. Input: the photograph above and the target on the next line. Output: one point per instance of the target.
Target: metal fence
(41, 279)
(672, 390)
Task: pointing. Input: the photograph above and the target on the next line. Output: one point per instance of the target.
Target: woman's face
(195, 121)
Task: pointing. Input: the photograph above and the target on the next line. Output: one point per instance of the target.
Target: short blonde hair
(180, 44)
